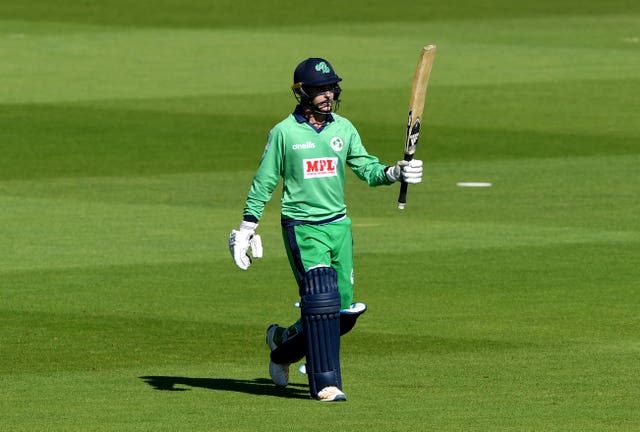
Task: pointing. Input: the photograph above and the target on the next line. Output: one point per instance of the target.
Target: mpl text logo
(320, 167)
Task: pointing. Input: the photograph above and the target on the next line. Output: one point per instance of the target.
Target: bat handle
(402, 198)
(404, 186)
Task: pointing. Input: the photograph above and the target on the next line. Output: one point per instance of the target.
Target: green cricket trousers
(328, 244)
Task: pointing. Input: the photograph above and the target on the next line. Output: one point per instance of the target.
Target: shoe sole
(274, 370)
(336, 398)
(269, 338)
(273, 367)
(335, 395)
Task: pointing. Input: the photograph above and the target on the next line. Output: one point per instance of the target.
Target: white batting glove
(241, 241)
(408, 171)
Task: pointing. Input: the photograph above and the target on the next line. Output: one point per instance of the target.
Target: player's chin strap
(335, 104)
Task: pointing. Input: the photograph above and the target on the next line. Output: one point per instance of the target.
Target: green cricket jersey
(312, 165)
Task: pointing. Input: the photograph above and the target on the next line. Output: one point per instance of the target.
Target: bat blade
(416, 110)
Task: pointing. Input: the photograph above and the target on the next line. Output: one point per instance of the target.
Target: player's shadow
(258, 386)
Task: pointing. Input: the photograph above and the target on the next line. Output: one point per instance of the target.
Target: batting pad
(320, 309)
(294, 349)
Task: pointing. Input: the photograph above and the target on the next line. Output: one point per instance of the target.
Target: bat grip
(402, 197)
(404, 186)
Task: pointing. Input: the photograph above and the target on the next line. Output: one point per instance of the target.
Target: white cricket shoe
(331, 394)
(279, 372)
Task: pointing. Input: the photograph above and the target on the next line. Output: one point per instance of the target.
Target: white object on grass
(474, 184)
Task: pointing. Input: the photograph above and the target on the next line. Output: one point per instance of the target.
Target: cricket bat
(416, 109)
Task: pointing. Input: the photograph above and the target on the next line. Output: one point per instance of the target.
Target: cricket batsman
(310, 150)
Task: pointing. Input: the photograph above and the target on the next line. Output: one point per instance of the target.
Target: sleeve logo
(320, 167)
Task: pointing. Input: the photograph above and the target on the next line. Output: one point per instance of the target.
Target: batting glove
(240, 241)
(407, 171)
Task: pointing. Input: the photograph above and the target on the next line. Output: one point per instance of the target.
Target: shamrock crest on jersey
(337, 144)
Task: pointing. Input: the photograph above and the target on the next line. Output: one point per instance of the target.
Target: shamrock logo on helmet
(323, 67)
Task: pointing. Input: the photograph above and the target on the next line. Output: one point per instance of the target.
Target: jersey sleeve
(367, 167)
(266, 178)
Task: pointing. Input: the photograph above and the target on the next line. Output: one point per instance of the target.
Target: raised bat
(416, 109)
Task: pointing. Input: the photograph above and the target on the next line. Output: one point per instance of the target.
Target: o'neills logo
(305, 146)
(320, 167)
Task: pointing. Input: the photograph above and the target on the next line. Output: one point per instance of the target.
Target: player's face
(323, 97)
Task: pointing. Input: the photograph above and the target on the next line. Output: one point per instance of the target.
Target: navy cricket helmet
(314, 72)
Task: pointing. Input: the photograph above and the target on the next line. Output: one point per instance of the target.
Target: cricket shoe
(331, 394)
(279, 372)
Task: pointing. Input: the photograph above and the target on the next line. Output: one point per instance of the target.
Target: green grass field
(129, 134)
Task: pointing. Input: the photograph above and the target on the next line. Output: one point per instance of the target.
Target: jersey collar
(298, 114)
